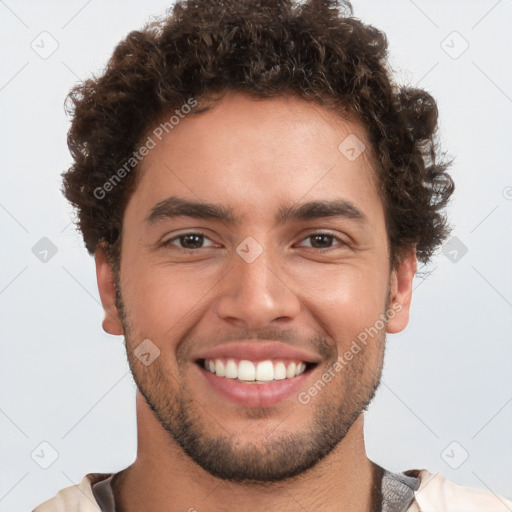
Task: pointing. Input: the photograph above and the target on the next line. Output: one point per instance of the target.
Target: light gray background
(64, 381)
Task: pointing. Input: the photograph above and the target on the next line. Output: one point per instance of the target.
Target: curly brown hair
(202, 48)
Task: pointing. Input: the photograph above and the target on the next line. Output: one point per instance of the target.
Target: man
(256, 192)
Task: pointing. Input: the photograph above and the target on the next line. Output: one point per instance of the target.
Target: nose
(254, 294)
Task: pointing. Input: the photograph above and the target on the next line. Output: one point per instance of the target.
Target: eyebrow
(175, 206)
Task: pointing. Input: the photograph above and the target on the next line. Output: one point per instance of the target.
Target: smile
(259, 372)
(255, 383)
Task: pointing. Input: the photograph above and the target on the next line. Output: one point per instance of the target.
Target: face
(254, 292)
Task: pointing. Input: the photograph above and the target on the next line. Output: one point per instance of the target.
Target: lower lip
(255, 395)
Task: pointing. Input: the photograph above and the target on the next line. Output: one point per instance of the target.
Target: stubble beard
(278, 457)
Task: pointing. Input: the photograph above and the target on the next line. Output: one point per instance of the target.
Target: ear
(401, 292)
(107, 289)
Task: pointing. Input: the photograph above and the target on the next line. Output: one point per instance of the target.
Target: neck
(163, 477)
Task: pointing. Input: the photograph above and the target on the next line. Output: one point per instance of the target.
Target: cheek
(163, 301)
(345, 299)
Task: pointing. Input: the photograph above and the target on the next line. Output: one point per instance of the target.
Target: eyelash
(319, 233)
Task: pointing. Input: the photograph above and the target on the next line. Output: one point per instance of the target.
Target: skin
(253, 156)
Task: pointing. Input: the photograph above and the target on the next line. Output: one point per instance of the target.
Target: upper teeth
(262, 371)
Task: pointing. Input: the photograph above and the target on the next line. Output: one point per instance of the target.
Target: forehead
(257, 154)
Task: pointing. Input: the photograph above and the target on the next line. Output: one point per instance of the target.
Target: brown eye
(188, 241)
(321, 241)
(191, 241)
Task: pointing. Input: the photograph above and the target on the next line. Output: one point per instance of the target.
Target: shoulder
(77, 497)
(435, 494)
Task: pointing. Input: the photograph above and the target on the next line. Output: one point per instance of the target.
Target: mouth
(255, 372)
(252, 383)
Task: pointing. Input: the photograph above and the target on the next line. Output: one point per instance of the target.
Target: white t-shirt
(433, 493)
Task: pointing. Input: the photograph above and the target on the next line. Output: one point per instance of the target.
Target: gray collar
(397, 492)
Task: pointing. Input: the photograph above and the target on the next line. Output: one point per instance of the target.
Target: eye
(321, 241)
(189, 241)
(193, 241)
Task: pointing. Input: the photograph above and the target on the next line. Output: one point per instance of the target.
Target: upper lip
(258, 350)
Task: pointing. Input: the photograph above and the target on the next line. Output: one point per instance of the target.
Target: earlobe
(107, 290)
(401, 293)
